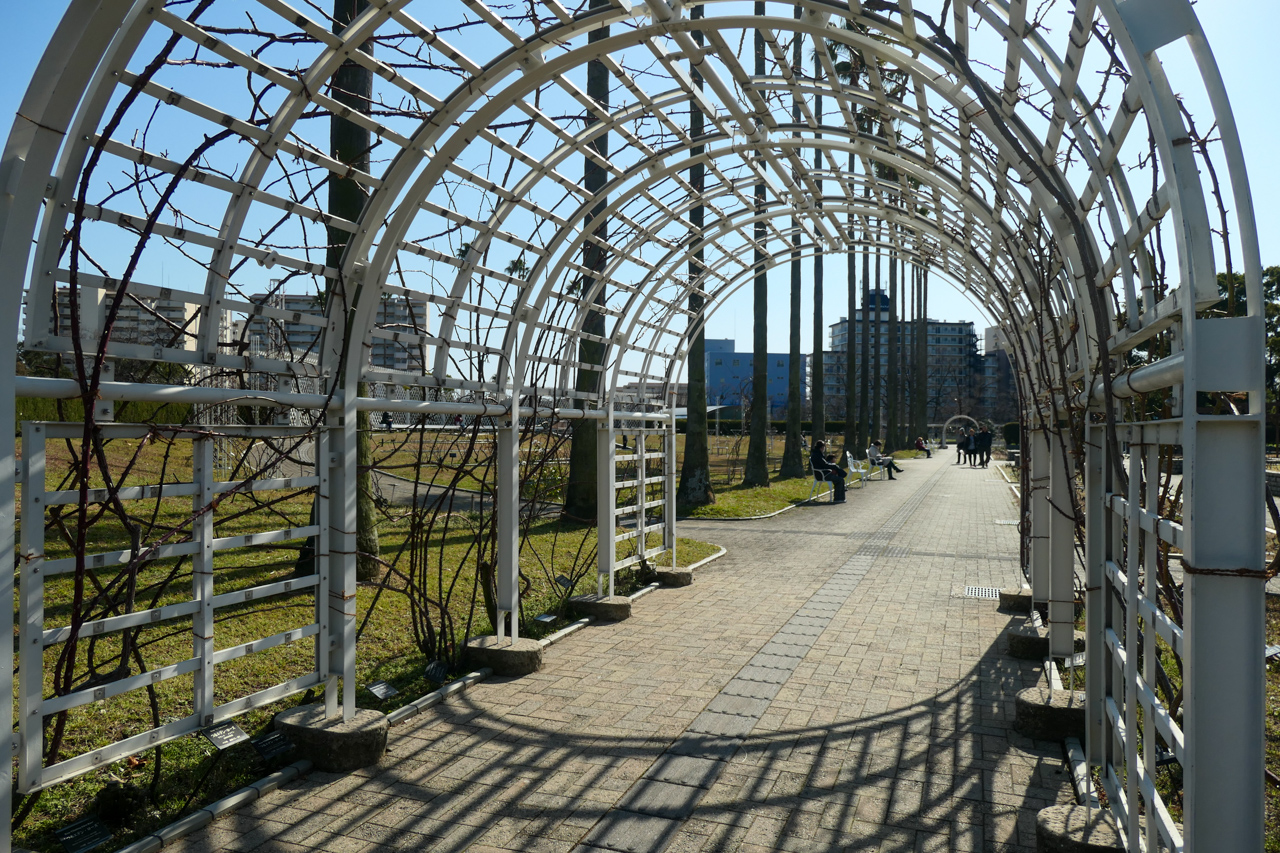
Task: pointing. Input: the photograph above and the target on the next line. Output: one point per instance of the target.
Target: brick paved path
(825, 686)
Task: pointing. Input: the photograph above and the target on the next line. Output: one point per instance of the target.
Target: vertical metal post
(1097, 522)
(1062, 550)
(1132, 569)
(324, 471)
(606, 475)
(669, 490)
(1040, 510)
(1224, 596)
(31, 660)
(642, 489)
(202, 621)
(1150, 654)
(506, 493)
(343, 518)
(9, 741)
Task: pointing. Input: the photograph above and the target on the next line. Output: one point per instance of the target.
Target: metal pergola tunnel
(553, 196)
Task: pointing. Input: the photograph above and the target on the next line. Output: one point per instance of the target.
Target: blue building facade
(729, 376)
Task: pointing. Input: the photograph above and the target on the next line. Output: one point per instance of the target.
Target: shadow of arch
(944, 767)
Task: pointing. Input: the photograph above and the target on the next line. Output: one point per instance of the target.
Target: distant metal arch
(946, 426)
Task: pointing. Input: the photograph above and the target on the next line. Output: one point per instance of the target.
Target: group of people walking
(974, 447)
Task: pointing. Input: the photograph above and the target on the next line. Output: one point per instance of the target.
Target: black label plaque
(382, 690)
(83, 835)
(545, 618)
(564, 582)
(271, 745)
(224, 735)
(437, 671)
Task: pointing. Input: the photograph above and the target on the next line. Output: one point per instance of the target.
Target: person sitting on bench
(875, 457)
(827, 470)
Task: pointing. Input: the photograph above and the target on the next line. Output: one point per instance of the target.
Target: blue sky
(1242, 33)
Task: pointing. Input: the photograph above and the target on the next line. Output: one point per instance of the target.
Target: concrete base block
(1076, 829)
(511, 659)
(1049, 714)
(606, 608)
(1016, 599)
(332, 745)
(1027, 642)
(675, 577)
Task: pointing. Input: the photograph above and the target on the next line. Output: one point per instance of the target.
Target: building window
(719, 362)
(735, 362)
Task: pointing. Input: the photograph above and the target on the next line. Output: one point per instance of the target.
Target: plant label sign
(381, 690)
(82, 835)
(272, 745)
(224, 735)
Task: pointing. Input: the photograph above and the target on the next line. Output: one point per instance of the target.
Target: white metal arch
(1015, 183)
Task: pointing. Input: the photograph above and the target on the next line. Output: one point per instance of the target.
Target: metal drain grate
(990, 592)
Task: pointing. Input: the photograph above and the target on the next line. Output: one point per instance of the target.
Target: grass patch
(747, 501)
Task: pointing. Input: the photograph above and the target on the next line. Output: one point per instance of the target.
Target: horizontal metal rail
(67, 389)
(1164, 373)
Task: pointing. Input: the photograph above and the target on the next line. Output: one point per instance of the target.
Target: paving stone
(704, 746)
(629, 832)
(794, 650)
(725, 725)
(751, 689)
(739, 705)
(662, 799)
(786, 662)
(770, 675)
(686, 770)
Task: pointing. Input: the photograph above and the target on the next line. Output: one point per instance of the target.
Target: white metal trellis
(198, 543)
(1019, 176)
(641, 479)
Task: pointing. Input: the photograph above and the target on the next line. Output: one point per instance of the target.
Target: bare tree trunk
(851, 425)
(580, 491)
(695, 473)
(922, 354)
(864, 375)
(876, 389)
(756, 470)
(793, 464)
(817, 366)
(893, 438)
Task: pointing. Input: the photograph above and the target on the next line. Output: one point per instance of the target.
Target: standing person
(920, 445)
(875, 457)
(971, 447)
(984, 447)
(962, 441)
(827, 470)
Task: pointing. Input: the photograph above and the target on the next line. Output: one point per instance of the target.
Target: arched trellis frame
(1012, 169)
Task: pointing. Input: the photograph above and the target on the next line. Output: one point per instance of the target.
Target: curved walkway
(825, 686)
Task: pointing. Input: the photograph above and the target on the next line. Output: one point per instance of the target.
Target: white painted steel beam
(1062, 549)
(506, 493)
(1041, 516)
(970, 170)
